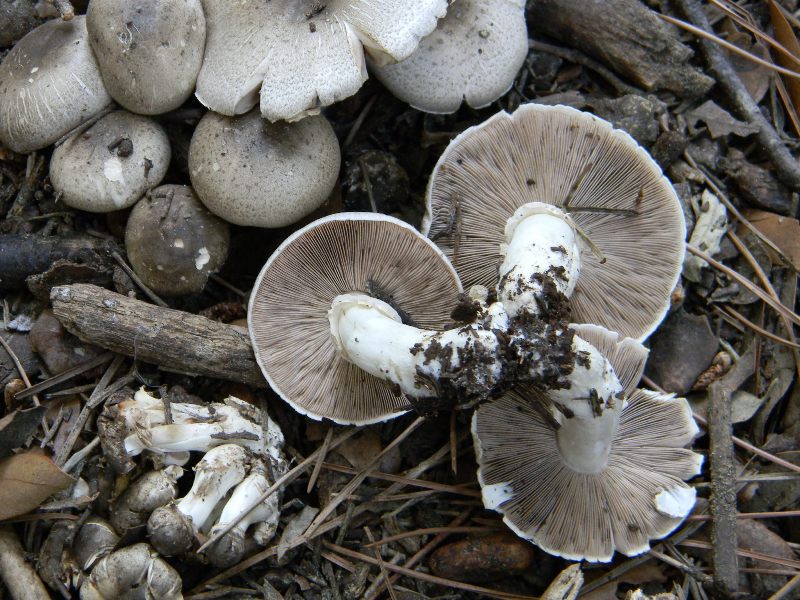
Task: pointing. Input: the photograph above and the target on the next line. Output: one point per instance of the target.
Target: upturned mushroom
(110, 165)
(174, 242)
(472, 56)
(307, 54)
(250, 172)
(582, 486)
(149, 51)
(172, 528)
(506, 189)
(358, 280)
(49, 85)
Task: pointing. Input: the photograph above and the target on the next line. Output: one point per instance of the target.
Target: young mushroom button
(258, 174)
(365, 255)
(621, 217)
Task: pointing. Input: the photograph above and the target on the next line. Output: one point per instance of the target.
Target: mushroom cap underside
(288, 312)
(617, 195)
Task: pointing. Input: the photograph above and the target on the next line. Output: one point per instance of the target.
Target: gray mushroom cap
(307, 54)
(173, 242)
(49, 85)
(617, 196)
(260, 174)
(149, 51)
(473, 55)
(110, 165)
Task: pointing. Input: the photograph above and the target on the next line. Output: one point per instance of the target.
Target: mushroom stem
(474, 360)
(540, 240)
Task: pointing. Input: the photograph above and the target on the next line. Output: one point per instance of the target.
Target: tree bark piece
(24, 255)
(172, 339)
(628, 37)
(18, 574)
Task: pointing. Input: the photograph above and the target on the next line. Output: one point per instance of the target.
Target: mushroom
(308, 54)
(619, 217)
(132, 573)
(150, 491)
(110, 165)
(49, 84)
(198, 427)
(473, 55)
(172, 528)
(357, 281)
(149, 51)
(582, 487)
(95, 539)
(230, 548)
(173, 242)
(250, 172)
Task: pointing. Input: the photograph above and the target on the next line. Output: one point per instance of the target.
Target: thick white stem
(540, 241)
(220, 469)
(369, 333)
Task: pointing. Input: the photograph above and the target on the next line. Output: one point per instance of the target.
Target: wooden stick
(18, 574)
(174, 340)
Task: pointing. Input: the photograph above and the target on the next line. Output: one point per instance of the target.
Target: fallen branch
(172, 339)
(18, 575)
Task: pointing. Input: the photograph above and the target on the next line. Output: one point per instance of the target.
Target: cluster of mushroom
(584, 227)
(242, 459)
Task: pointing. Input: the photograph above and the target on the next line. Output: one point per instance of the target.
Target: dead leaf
(784, 232)
(719, 122)
(784, 34)
(27, 480)
(294, 529)
(755, 77)
(361, 449)
(17, 427)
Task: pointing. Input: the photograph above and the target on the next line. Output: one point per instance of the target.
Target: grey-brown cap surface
(288, 312)
(473, 55)
(49, 85)
(617, 196)
(307, 54)
(173, 242)
(639, 496)
(110, 165)
(251, 172)
(149, 51)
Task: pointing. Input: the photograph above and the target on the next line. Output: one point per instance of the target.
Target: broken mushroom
(172, 528)
(250, 172)
(110, 165)
(307, 54)
(149, 51)
(173, 242)
(49, 85)
(472, 56)
(620, 215)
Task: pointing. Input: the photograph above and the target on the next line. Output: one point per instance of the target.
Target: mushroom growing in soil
(49, 85)
(503, 184)
(472, 56)
(250, 172)
(110, 165)
(307, 54)
(149, 51)
(173, 242)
